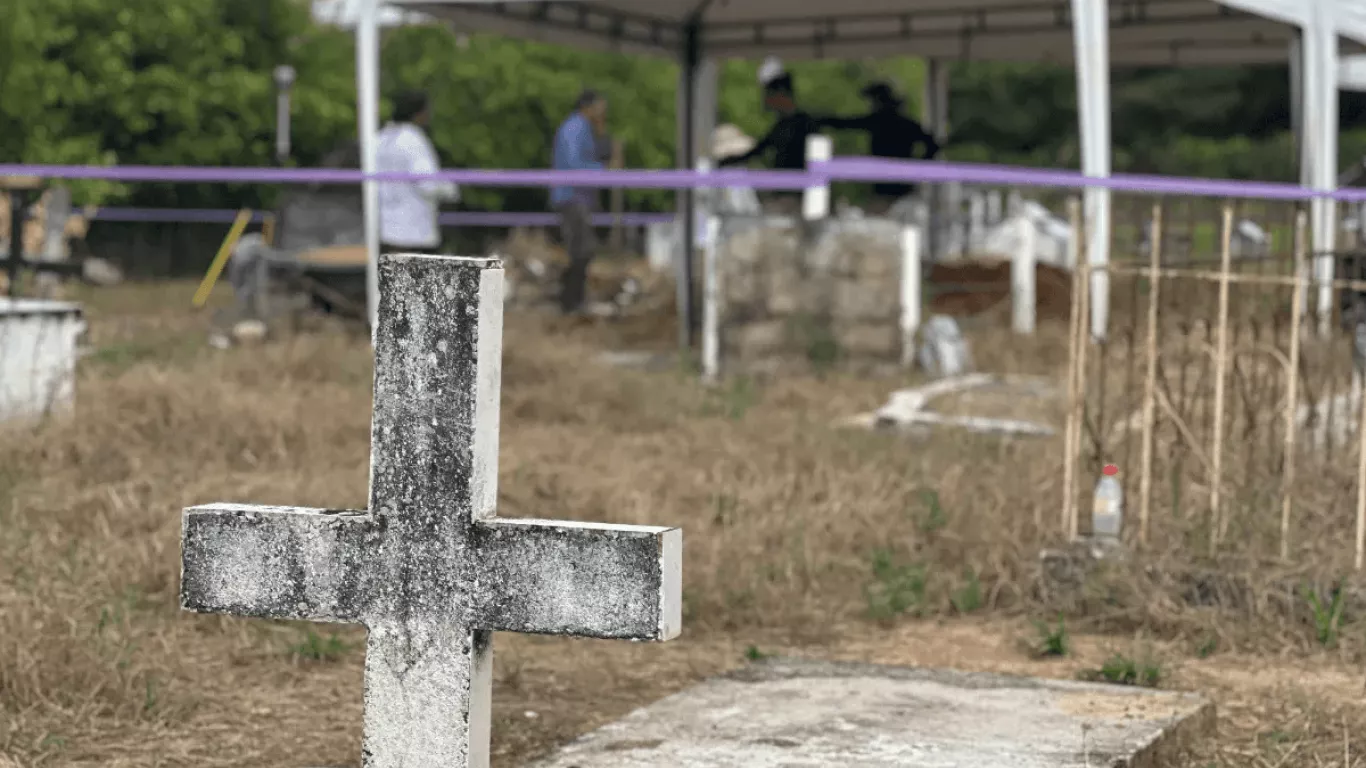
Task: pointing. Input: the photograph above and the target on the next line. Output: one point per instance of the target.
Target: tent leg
(1091, 36)
(1320, 116)
(367, 116)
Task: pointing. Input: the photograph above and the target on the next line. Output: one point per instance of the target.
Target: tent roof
(1142, 32)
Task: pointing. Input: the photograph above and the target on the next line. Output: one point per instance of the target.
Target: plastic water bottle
(1107, 513)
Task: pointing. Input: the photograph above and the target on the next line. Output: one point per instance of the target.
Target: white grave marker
(428, 568)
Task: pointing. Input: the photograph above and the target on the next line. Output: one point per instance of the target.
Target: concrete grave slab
(428, 568)
(795, 714)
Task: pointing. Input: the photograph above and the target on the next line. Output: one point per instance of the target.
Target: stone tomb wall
(818, 293)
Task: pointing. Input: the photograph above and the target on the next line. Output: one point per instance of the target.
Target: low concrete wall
(817, 293)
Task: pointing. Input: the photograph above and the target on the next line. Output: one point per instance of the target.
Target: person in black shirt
(891, 134)
(786, 140)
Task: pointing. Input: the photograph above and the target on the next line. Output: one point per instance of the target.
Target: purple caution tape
(451, 218)
(837, 169)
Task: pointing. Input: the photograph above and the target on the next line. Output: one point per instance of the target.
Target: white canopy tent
(1092, 34)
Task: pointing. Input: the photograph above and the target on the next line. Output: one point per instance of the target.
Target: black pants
(576, 230)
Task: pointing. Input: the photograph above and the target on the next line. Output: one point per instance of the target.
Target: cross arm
(582, 579)
(275, 562)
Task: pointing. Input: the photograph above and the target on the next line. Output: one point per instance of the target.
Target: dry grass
(785, 518)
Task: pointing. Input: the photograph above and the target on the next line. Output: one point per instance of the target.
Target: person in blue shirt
(576, 149)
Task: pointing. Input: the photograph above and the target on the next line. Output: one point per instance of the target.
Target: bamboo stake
(1220, 375)
(1292, 385)
(1145, 478)
(1084, 338)
(1069, 460)
(1361, 489)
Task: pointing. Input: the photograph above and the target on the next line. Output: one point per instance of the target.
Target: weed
(1208, 644)
(752, 653)
(734, 400)
(315, 647)
(1327, 618)
(1052, 641)
(896, 589)
(968, 598)
(1125, 670)
(932, 517)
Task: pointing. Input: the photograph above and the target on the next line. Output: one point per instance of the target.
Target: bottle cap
(1110, 470)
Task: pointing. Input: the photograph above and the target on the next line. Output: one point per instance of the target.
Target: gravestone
(791, 713)
(944, 351)
(428, 568)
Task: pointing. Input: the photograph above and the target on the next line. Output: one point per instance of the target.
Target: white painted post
(711, 302)
(1014, 202)
(816, 200)
(367, 115)
(1022, 274)
(910, 292)
(994, 207)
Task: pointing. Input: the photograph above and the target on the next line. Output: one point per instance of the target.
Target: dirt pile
(972, 288)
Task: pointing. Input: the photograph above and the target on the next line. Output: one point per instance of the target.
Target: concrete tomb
(785, 713)
(429, 569)
(38, 351)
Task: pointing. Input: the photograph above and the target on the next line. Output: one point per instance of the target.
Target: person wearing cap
(577, 149)
(408, 209)
(786, 139)
(891, 134)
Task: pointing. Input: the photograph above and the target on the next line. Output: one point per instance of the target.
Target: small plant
(752, 653)
(932, 517)
(1208, 644)
(896, 589)
(740, 396)
(968, 598)
(1124, 670)
(315, 647)
(1052, 641)
(1327, 618)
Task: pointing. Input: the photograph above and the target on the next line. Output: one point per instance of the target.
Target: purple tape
(875, 169)
(837, 169)
(450, 219)
(664, 179)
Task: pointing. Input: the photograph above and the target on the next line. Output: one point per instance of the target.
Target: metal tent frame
(1100, 33)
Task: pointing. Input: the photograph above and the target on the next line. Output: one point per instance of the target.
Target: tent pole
(367, 117)
(687, 159)
(1091, 37)
(1321, 139)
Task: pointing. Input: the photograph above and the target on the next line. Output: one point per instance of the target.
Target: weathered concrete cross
(429, 569)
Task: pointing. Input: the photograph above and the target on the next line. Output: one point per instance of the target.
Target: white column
(367, 118)
(711, 301)
(1091, 38)
(816, 200)
(1022, 274)
(1320, 117)
(910, 292)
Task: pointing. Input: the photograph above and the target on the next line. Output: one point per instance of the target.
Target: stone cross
(428, 569)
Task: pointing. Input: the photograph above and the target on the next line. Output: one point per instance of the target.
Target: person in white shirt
(408, 209)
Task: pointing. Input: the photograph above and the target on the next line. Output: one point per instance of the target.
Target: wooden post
(1145, 478)
(1220, 377)
(1069, 460)
(617, 196)
(1292, 394)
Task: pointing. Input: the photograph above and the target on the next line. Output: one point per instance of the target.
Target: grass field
(800, 538)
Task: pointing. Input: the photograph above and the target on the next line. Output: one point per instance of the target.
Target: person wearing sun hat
(891, 134)
(786, 140)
